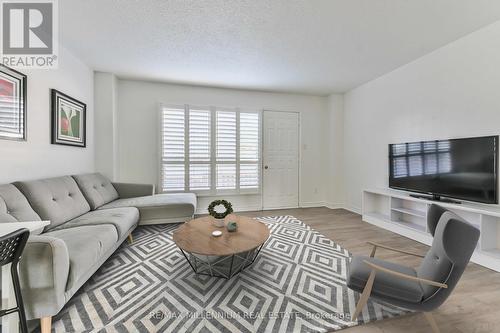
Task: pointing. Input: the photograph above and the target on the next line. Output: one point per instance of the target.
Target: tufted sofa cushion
(96, 188)
(55, 199)
(124, 219)
(14, 206)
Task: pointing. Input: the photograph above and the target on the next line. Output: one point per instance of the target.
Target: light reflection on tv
(457, 168)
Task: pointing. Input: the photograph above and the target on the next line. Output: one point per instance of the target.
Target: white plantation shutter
(249, 150)
(210, 150)
(226, 136)
(173, 177)
(199, 149)
(226, 176)
(173, 149)
(199, 135)
(226, 150)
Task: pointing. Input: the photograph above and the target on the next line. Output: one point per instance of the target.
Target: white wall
(37, 157)
(138, 123)
(451, 92)
(335, 193)
(105, 121)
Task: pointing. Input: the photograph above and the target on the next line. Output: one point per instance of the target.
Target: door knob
(266, 167)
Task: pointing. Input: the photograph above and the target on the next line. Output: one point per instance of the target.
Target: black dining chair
(11, 249)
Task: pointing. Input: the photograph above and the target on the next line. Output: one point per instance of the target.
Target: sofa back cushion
(97, 189)
(55, 199)
(14, 207)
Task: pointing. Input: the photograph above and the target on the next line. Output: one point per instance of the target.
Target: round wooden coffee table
(223, 256)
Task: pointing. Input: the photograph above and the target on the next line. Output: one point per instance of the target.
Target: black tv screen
(457, 168)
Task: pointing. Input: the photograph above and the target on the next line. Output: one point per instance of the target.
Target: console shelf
(398, 212)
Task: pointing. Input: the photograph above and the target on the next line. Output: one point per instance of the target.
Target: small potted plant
(217, 214)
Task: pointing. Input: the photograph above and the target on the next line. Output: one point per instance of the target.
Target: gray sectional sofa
(89, 218)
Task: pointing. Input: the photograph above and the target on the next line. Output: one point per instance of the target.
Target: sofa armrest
(129, 190)
(43, 273)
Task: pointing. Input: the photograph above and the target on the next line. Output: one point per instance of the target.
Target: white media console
(398, 212)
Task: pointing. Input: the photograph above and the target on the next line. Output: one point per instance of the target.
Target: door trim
(299, 185)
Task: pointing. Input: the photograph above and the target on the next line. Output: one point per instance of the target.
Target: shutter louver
(226, 176)
(173, 149)
(173, 177)
(249, 137)
(199, 177)
(173, 135)
(199, 135)
(249, 150)
(249, 176)
(226, 136)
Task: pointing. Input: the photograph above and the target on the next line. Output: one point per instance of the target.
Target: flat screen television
(464, 169)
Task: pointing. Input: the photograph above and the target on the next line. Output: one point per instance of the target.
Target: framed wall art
(12, 104)
(68, 120)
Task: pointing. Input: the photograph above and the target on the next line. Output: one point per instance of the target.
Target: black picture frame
(14, 82)
(69, 120)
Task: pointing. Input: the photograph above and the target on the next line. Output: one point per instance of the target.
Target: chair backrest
(452, 247)
(12, 246)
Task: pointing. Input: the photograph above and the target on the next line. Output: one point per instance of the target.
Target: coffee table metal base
(221, 266)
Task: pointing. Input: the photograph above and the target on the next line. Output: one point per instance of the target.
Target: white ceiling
(307, 46)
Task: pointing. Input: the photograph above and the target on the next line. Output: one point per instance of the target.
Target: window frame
(213, 152)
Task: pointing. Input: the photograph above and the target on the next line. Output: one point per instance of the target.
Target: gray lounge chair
(423, 289)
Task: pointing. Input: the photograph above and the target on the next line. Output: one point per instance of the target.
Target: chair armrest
(404, 276)
(129, 190)
(43, 273)
(377, 245)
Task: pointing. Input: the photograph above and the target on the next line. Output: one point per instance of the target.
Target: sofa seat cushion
(160, 206)
(386, 286)
(96, 188)
(14, 206)
(55, 199)
(123, 219)
(86, 246)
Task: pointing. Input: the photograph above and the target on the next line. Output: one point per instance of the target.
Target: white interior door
(280, 160)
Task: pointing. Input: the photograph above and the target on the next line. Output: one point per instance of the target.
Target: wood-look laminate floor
(474, 305)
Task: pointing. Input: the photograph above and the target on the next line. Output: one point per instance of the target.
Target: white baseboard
(353, 209)
(330, 205)
(334, 205)
(312, 204)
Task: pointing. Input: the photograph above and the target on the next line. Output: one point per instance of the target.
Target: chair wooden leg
(130, 239)
(432, 322)
(45, 324)
(365, 295)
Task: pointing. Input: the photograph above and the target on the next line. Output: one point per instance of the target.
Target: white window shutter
(173, 177)
(249, 150)
(226, 176)
(210, 150)
(173, 140)
(226, 136)
(249, 137)
(226, 150)
(173, 149)
(199, 149)
(199, 135)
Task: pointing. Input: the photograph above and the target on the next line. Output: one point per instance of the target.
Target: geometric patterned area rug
(296, 284)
